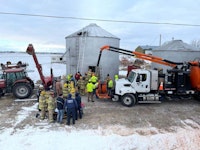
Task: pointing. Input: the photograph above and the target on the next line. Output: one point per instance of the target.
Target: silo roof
(177, 45)
(92, 30)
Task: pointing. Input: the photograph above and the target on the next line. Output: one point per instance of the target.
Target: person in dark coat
(78, 100)
(60, 106)
(70, 107)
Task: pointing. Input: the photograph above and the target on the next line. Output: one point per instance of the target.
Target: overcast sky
(48, 34)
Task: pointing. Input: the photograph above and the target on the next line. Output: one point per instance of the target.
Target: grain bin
(177, 51)
(82, 50)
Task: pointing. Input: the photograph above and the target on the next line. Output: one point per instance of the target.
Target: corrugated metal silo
(177, 51)
(83, 49)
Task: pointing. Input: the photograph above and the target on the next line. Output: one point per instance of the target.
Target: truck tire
(128, 100)
(22, 90)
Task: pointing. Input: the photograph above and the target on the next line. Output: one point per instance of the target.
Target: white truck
(148, 86)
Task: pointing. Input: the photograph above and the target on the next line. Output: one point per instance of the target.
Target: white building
(176, 51)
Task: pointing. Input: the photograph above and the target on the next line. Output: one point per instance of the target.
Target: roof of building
(147, 47)
(177, 45)
(92, 30)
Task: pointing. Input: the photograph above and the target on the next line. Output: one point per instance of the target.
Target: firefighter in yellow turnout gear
(50, 105)
(72, 89)
(42, 104)
(81, 86)
(66, 89)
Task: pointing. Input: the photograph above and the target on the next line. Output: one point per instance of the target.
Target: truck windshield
(131, 76)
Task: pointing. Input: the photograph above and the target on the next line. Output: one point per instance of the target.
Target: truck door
(143, 82)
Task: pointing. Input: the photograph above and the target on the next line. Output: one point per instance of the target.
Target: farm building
(83, 47)
(176, 51)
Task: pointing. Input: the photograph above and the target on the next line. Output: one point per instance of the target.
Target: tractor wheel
(22, 90)
(128, 100)
(2, 92)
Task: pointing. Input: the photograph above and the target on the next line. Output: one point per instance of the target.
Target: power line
(104, 20)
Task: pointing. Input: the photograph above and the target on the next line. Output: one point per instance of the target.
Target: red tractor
(15, 80)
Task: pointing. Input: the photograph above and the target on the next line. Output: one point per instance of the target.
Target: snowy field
(45, 136)
(42, 136)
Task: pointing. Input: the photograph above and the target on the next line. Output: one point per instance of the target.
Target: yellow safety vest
(90, 87)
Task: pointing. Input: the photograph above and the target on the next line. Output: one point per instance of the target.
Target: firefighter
(41, 87)
(50, 105)
(86, 78)
(72, 89)
(81, 85)
(65, 89)
(42, 104)
(89, 74)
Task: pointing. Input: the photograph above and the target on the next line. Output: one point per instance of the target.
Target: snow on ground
(41, 136)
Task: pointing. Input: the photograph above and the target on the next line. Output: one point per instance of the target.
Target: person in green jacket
(90, 88)
(110, 86)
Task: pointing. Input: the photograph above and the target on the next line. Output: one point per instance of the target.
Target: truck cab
(140, 86)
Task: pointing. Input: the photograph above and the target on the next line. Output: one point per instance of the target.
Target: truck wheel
(128, 100)
(22, 90)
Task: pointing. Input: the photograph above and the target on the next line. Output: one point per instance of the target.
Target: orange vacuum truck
(148, 86)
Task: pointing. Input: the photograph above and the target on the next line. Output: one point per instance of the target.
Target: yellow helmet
(65, 85)
(43, 93)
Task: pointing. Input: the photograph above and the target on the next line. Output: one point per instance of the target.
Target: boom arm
(138, 55)
(46, 82)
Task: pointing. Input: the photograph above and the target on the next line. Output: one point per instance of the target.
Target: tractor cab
(15, 81)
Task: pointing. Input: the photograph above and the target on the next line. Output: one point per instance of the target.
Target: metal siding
(91, 47)
(176, 56)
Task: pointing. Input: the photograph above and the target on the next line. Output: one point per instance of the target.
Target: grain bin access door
(93, 68)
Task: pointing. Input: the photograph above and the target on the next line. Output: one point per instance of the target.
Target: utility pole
(160, 40)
